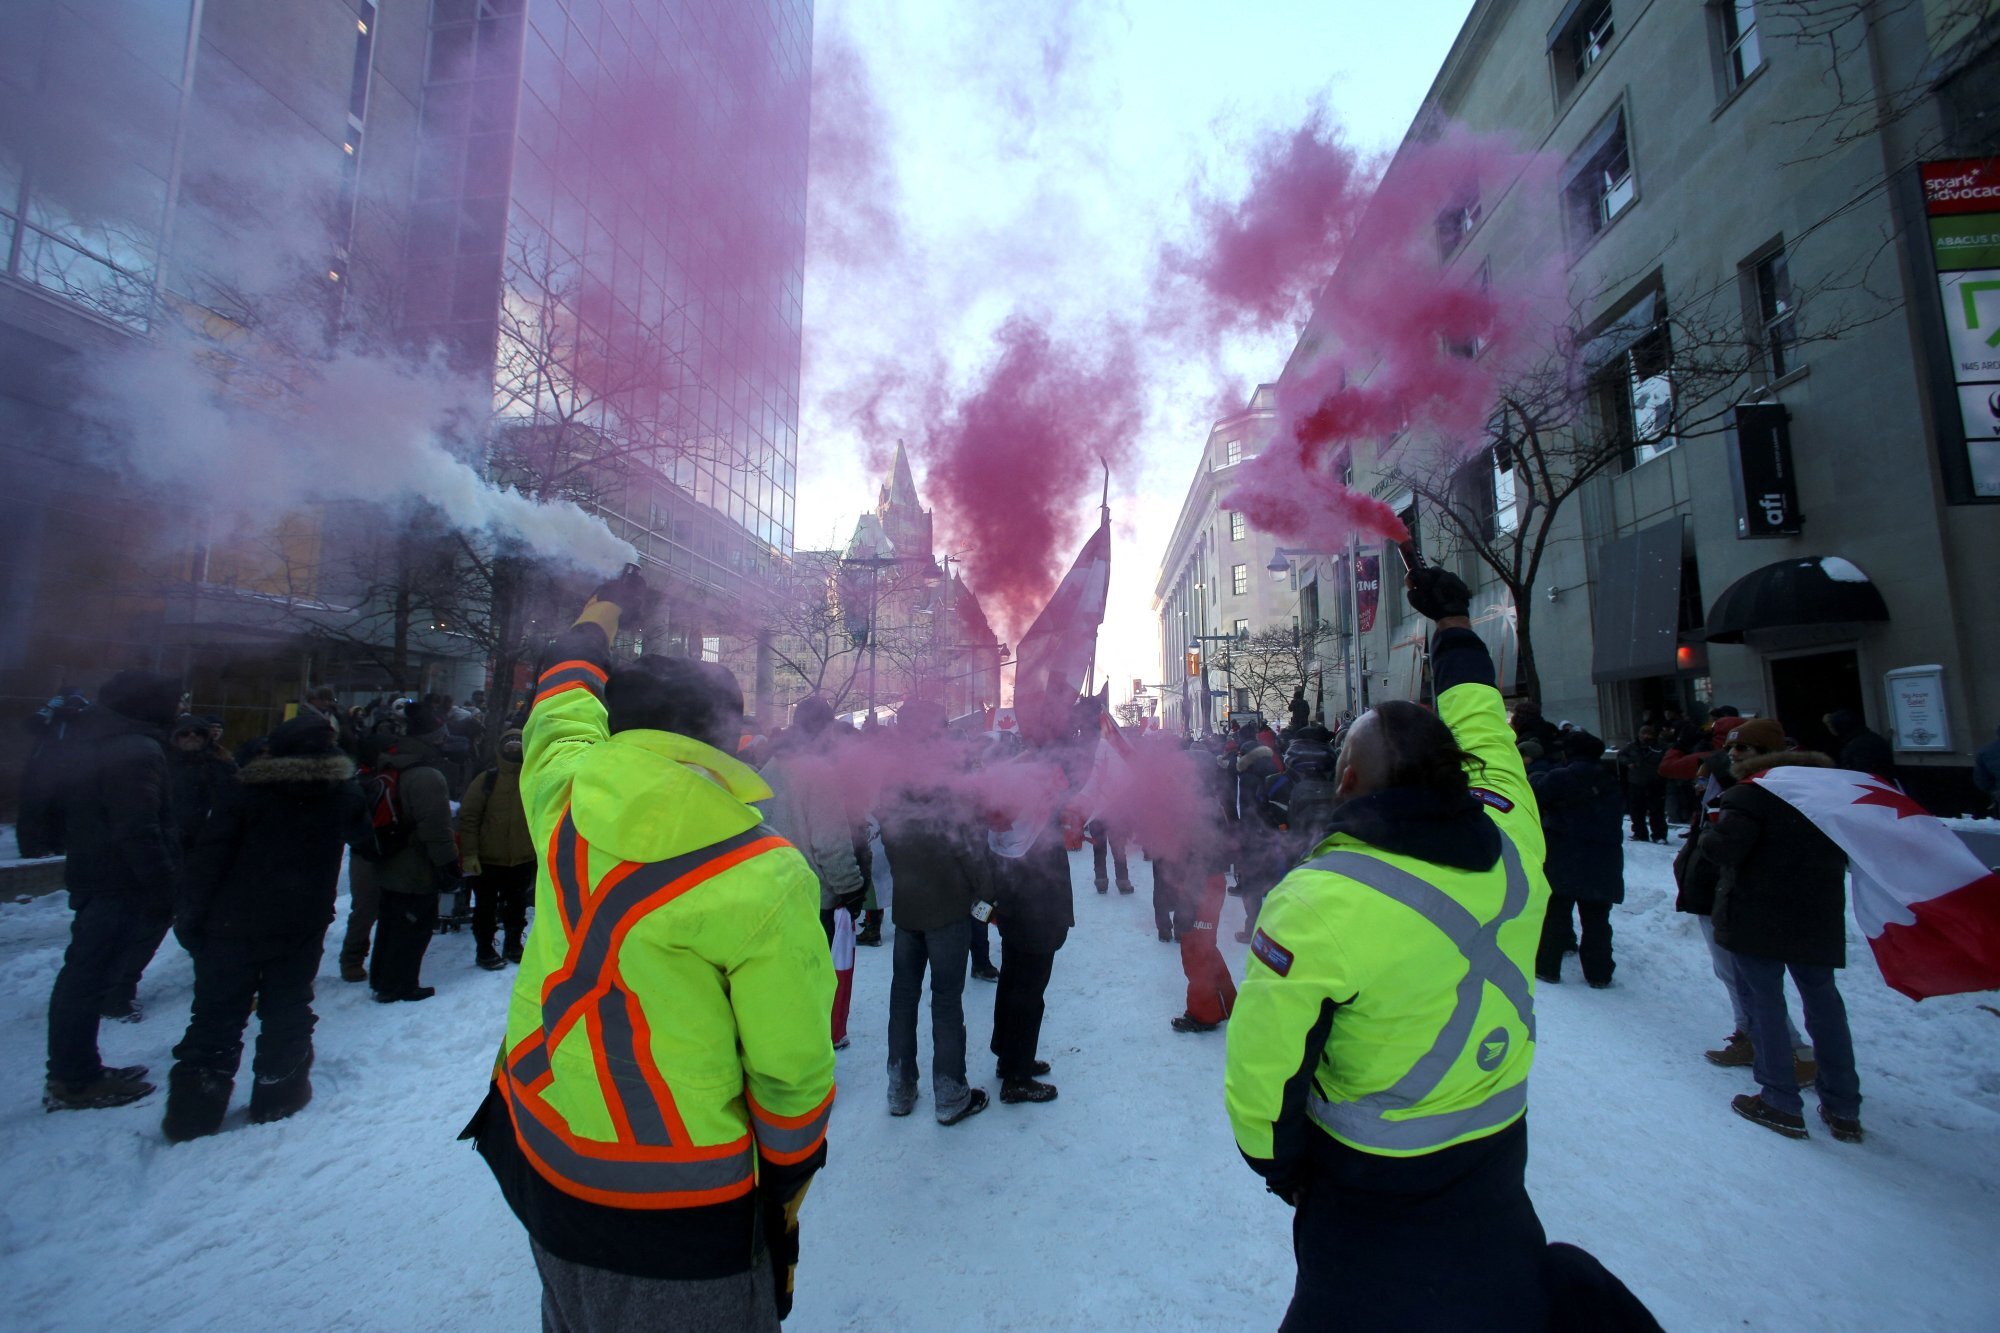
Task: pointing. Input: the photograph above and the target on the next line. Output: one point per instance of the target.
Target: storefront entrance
(1808, 687)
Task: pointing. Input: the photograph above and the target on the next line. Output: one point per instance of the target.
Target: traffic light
(1194, 662)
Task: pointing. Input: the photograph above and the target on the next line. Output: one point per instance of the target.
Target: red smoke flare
(1014, 467)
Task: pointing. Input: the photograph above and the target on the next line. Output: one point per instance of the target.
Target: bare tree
(1276, 660)
(1587, 409)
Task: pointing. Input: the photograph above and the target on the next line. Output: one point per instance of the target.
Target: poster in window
(1916, 708)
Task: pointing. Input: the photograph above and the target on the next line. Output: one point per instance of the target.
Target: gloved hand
(628, 592)
(1437, 594)
(446, 878)
(469, 867)
(851, 901)
(781, 1241)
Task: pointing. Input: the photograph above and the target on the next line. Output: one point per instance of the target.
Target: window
(1232, 453)
(1598, 185)
(1239, 579)
(1633, 397)
(1578, 41)
(1742, 52)
(1457, 222)
(1506, 513)
(1242, 699)
(1777, 319)
(1241, 629)
(1236, 525)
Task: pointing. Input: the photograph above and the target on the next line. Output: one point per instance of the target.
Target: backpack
(385, 813)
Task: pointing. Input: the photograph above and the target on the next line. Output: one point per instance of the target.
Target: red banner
(1962, 185)
(1367, 590)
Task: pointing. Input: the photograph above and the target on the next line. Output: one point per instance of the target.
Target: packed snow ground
(1122, 1205)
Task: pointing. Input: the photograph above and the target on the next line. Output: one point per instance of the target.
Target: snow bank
(1122, 1205)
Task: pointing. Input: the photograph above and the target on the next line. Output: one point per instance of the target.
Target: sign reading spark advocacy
(1962, 199)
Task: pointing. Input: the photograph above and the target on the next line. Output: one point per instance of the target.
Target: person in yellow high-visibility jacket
(1380, 1046)
(661, 1100)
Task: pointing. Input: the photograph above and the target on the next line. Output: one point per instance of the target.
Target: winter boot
(1125, 886)
(975, 1102)
(285, 1095)
(1039, 1068)
(512, 951)
(902, 1098)
(197, 1099)
(352, 971)
(871, 928)
(1760, 1112)
(1166, 935)
(111, 1087)
(1103, 884)
(131, 1012)
(1189, 1023)
(486, 958)
(985, 972)
(1016, 1091)
(1736, 1052)
(1846, 1129)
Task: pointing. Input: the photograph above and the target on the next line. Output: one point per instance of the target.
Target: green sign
(1964, 242)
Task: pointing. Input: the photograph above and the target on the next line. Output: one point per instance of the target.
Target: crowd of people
(697, 896)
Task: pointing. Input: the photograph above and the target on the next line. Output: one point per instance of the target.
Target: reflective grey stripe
(533, 1065)
(577, 675)
(780, 1142)
(622, 1176)
(621, 1057)
(562, 870)
(1364, 1121)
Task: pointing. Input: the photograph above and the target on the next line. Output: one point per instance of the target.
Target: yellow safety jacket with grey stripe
(1388, 1000)
(667, 1031)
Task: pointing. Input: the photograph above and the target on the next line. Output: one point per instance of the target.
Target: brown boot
(1736, 1052)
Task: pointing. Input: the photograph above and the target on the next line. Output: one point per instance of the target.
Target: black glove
(628, 592)
(781, 1243)
(446, 877)
(851, 901)
(1437, 594)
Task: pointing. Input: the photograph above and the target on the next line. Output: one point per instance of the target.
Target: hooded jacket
(118, 812)
(1781, 892)
(937, 858)
(1356, 966)
(424, 793)
(492, 827)
(1583, 819)
(267, 863)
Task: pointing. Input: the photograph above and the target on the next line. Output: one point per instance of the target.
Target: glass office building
(610, 207)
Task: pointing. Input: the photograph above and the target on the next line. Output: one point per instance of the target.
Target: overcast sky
(1034, 157)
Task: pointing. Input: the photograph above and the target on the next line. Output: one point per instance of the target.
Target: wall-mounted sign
(1962, 201)
(1916, 708)
(1760, 465)
(1367, 590)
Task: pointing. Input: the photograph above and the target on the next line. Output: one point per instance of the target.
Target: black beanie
(143, 696)
(303, 735)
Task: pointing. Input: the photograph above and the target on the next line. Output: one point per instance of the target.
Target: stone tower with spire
(904, 519)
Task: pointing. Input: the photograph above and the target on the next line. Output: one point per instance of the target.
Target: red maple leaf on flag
(1891, 799)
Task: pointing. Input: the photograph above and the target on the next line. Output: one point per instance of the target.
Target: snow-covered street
(1122, 1205)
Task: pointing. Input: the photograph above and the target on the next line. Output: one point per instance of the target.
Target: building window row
(1239, 579)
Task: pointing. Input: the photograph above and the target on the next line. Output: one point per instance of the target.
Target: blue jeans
(944, 951)
(1838, 1084)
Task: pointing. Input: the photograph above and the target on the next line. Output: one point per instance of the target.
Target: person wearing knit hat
(1781, 906)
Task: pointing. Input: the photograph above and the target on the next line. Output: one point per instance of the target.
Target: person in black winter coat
(51, 753)
(1583, 822)
(1645, 789)
(1861, 750)
(117, 816)
(202, 774)
(1781, 906)
(255, 903)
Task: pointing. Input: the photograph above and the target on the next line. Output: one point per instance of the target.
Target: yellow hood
(649, 795)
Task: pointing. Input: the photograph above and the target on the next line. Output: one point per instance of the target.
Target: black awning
(1638, 605)
(1813, 590)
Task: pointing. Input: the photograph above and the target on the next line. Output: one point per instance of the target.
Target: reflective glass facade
(611, 207)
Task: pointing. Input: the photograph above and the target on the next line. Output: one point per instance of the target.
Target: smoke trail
(1014, 462)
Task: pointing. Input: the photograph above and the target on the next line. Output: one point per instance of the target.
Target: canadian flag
(1930, 910)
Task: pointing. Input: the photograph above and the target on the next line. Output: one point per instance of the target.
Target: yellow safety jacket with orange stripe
(667, 1036)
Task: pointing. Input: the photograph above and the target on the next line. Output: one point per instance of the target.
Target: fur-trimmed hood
(299, 768)
(1758, 763)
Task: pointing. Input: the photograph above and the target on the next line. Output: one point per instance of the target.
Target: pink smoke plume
(1401, 344)
(1259, 261)
(1014, 466)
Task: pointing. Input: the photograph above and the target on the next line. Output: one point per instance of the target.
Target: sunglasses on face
(1734, 746)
